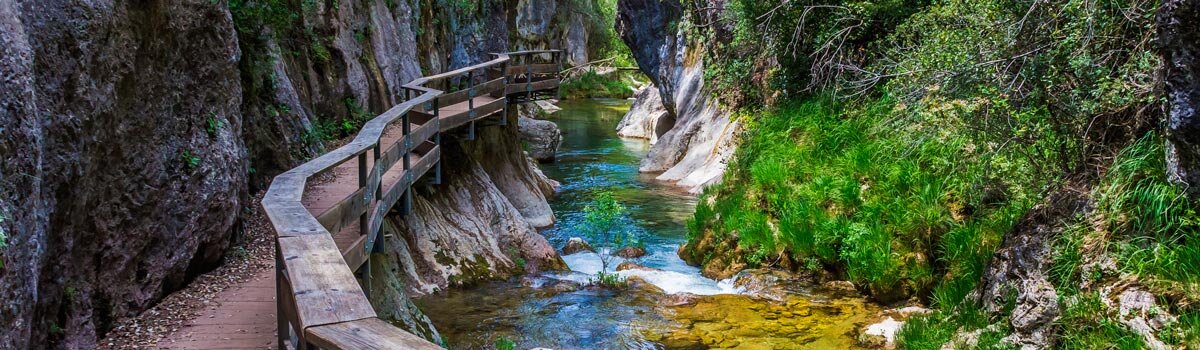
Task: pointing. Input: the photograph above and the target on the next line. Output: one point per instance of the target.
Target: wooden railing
(321, 304)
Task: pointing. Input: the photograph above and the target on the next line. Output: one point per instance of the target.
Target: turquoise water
(592, 158)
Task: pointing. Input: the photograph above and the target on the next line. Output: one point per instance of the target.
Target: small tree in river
(604, 226)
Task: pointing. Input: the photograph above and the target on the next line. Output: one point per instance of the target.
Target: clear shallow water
(532, 314)
(592, 158)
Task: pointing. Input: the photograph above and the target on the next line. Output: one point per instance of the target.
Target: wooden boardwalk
(322, 304)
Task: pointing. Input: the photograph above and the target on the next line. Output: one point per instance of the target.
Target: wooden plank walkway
(320, 299)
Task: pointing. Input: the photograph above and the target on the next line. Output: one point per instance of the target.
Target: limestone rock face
(1020, 268)
(577, 40)
(1179, 44)
(542, 136)
(647, 118)
(122, 168)
(467, 229)
(694, 151)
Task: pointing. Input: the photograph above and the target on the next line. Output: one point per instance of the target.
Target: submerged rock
(542, 137)
(576, 245)
(768, 283)
(728, 320)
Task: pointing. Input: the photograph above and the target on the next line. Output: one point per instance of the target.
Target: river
(531, 313)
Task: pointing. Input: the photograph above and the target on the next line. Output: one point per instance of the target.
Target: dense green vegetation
(605, 50)
(589, 84)
(897, 142)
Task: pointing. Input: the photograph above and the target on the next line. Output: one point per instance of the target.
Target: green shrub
(604, 226)
(503, 343)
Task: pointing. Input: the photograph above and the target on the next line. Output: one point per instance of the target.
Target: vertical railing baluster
(504, 91)
(281, 323)
(528, 76)
(364, 222)
(557, 75)
(471, 104)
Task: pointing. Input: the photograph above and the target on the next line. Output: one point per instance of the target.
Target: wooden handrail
(320, 302)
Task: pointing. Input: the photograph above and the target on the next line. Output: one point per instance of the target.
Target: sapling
(604, 226)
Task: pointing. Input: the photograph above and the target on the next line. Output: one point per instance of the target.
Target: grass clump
(840, 185)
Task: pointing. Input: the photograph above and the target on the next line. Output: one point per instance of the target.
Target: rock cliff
(694, 151)
(1178, 46)
(132, 134)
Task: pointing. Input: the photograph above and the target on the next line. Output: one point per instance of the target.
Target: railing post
(364, 222)
(528, 76)
(471, 104)
(437, 139)
(282, 328)
(504, 91)
(557, 75)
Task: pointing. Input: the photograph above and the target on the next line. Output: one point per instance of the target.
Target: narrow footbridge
(326, 232)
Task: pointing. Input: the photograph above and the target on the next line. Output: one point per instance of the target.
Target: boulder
(542, 137)
(631, 252)
(629, 265)
(647, 118)
(576, 245)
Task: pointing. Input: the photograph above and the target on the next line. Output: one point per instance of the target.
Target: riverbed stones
(576, 245)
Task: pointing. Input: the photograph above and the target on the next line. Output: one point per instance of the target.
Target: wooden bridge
(326, 233)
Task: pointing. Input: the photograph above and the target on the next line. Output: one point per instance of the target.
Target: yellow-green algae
(741, 322)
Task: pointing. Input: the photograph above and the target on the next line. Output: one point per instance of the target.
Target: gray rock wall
(693, 153)
(131, 135)
(113, 185)
(1179, 44)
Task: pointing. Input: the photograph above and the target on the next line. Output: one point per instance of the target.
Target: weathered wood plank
(540, 68)
(356, 254)
(489, 108)
(323, 286)
(371, 333)
(347, 210)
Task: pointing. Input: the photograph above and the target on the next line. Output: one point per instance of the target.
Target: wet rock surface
(576, 245)
(631, 252)
(647, 119)
(542, 138)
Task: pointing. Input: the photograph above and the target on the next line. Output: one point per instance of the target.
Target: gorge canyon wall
(134, 134)
(699, 137)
